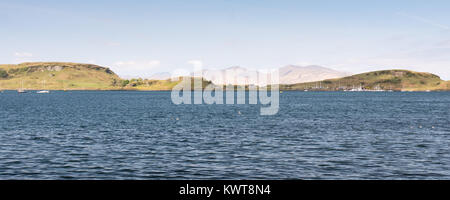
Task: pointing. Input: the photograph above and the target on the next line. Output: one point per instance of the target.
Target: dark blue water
(142, 135)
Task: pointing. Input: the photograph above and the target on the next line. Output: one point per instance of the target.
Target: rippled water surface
(142, 135)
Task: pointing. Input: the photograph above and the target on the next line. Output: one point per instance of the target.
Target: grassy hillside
(399, 80)
(57, 76)
(157, 85)
(74, 76)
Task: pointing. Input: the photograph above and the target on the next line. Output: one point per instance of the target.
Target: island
(77, 76)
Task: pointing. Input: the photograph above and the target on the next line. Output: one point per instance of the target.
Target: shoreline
(140, 90)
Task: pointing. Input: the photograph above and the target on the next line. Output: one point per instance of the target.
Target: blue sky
(138, 38)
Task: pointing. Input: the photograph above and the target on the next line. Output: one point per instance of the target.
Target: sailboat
(64, 87)
(43, 91)
(21, 90)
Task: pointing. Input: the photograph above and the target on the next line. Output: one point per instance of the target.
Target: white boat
(355, 89)
(43, 91)
(21, 90)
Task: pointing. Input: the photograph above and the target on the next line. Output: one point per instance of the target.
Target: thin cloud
(134, 68)
(112, 44)
(154, 63)
(125, 63)
(443, 44)
(138, 64)
(23, 54)
(196, 63)
(424, 20)
(20, 57)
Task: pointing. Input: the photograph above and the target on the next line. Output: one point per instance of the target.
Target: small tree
(125, 83)
(3, 74)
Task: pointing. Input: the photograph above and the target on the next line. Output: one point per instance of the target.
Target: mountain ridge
(292, 74)
(289, 74)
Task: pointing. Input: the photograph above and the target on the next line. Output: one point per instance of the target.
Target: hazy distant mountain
(160, 76)
(242, 76)
(233, 75)
(298, 74)
(287, 75)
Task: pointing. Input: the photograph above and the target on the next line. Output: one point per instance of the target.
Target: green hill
(57, 76)
(398, 80)
(74, 76)
(158, 85)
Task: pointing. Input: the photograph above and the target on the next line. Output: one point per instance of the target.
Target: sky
(139, 38)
